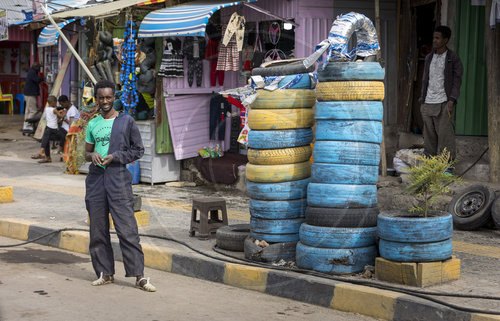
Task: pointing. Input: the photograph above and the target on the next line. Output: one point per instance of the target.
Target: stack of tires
(341, 217)
(279, 165)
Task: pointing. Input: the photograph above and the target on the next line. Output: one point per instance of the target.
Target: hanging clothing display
(172, 61)
(219, 107)
(229, 57)
(236, 28)
(194, 51)
(214, 35)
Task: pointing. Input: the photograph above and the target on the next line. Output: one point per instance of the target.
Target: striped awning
(49, 35)
(183, 20)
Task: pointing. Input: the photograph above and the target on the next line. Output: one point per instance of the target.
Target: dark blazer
(453, 71)
(31, 87)
(125, 144)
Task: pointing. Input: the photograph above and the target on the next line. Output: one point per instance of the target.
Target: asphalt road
(42, 283)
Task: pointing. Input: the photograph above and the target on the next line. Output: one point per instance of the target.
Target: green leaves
(430, 179)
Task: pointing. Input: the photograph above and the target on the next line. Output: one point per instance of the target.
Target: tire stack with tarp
(279, 166)
(341, 217)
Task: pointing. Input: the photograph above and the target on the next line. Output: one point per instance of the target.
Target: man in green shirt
(113, 141)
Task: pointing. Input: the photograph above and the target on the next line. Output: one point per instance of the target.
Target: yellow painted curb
(157, 258)
(484, 317)
(6, 194)
(76, 241)
(247, 277)
(142, 218)
(364, 300)
(15, 228)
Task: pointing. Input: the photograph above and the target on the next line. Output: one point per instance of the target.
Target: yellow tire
(279, 156)
(350, 90)
(284, 98)
(266, 119)
(278, 173)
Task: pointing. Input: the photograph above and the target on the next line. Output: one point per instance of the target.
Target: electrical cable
(417, 293)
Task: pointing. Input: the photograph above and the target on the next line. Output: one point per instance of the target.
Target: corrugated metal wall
(472, 107)
(18, 34)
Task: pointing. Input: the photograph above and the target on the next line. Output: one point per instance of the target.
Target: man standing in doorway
(440, 90)
(31, 92)
(112, 141)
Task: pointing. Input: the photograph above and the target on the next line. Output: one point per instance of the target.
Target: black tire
(342, 217)
(296, 67)
(272, 253)
(471, 207)
(495, 212)
(232, 237)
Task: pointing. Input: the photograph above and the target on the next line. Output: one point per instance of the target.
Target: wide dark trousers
(439, 129)
(100, 201)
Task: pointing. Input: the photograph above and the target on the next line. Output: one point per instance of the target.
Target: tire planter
(341, 195)
(279, 156)
(268, 139)
(349, 130)
(415, 252)
(275, 238)
(344, 174)
(272, 253)
(339, 261)
(361, 110)
(335, 71)
(284, 98)
(285, 68)
(278, 191)
(232, 237)
(286, 226)
(303, 83)
(350, 90)
(401, 226)
(278, 173)
(342, 217)
(275, 119)
(471, 207)
(337, 237)
(353, 153)
(277, 210)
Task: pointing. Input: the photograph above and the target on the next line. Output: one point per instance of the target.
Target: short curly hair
(445, 31)
(104, 84)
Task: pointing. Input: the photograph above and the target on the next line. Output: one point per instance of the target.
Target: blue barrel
(135, 170)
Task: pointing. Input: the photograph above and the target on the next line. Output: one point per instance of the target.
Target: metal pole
(70, 47)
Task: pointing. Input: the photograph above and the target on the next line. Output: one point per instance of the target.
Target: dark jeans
(48, 135)
(62, 137)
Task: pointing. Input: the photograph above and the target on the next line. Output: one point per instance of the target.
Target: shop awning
(98, 10)
(50, 35)
(183, 20)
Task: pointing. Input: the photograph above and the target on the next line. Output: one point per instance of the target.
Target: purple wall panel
(188, 117)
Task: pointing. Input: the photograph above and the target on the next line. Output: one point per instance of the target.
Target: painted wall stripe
(365, 300)
(247, 277)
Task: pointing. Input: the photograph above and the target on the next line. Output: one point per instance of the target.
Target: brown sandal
(47, 160)
(37, 156)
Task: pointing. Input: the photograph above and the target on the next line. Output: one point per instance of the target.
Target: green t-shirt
(98, 134)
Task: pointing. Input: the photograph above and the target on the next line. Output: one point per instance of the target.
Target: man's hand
(96, 158)
(107, 159)
(451, 106)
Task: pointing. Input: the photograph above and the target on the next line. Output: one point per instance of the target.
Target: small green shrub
(430, 180)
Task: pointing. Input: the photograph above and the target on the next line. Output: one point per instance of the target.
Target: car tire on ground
(232, 237)
(272, 253)
(471, 207)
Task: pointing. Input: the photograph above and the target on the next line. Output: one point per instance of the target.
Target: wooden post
(492, 42)
(383, 157)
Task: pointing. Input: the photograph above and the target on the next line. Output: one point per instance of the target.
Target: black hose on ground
(416, 293)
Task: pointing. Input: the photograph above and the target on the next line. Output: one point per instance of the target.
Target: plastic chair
(7, 98)
(20, 97)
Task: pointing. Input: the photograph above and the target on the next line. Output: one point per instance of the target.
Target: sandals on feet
(146, 286)
(37, 156)
(102, 281)
(45, 160)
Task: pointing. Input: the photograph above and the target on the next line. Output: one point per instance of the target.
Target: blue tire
(338, 261)
(335, 71)
(338, 152)
(366, 131)
(337, 237)
(402, 226)
(415, 252)
(344, 174)
(269, 139)
(286, 226)
(303, 83)
(361, 110)
(278, 210)
(341, 195)
(275, 238)
(278, 191)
